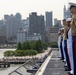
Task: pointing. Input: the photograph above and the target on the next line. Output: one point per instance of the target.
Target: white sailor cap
(71, 5)
(62, 29)
(58, 31)
(68, 19)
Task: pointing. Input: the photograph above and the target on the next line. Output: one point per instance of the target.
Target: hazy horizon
(26, 6)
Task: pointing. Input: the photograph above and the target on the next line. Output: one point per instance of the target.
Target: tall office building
(6, 17)
(1, 23)
(17, 23)
(36, 24)
(9, 25)
(21, 35)
(48, 19)
(41, 26)
(25, 24)
(33, 24)
(52, 34)
(18, 16)
(66, 13)
(57, 23)
(2, 37)
(12, 24)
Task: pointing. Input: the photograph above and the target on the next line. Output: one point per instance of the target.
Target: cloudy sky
(27, 6)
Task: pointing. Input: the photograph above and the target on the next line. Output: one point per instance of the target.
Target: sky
(27, 6)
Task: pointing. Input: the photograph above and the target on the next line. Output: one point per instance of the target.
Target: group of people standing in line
(67, 41)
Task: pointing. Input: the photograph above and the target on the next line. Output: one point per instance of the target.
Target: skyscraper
(36, 25)
(66, 13)
(48, 19)
(6, 17)
(41, 27)
(57, 23)
(18, 16)
(12, 24)
(25, 24)
(9, 20)
(33, 23)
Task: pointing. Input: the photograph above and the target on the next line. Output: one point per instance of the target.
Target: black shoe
(59, 57)
(69, 73)
(65, 66)
(64, 61)
(66, 69)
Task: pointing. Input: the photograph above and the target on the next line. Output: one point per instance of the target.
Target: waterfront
(6, 71)
(2, 51)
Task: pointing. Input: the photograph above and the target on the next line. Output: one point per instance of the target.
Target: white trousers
(70, 54)
(63, 50)
(59, 52)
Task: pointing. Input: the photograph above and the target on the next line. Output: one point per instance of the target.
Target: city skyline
(40, 6)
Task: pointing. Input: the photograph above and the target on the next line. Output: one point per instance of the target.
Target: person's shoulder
(74, 17)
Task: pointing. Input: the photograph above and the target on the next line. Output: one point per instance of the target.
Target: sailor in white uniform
(59, 37)
(72, 9)
(61, 42)
(63, 45)
(69, 45)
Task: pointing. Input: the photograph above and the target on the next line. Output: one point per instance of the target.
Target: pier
(4, 64)
(52, 65)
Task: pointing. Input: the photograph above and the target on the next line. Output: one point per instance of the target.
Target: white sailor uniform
(59, 45)
(69, 47)
(63, 47)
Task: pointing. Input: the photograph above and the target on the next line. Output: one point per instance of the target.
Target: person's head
(64, 22)
(72, 8)
(59, 33)
(62, 30)
(68, 20)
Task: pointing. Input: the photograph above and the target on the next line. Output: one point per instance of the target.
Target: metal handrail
(20, 67)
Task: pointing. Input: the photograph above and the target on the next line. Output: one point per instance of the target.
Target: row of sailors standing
(67, 41)
(65, 45)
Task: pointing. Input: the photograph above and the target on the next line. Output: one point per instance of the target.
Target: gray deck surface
(55, 65)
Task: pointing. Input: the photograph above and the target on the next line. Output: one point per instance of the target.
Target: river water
(6, 71)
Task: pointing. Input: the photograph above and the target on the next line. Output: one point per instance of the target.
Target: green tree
(30, 52)
(32, 44)
(19, 53)
(24, 46)
(19, 46)
(33, 52)
(9, 53)
(28, 46)
(45, 45)
(38, 46)
(53, 45)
